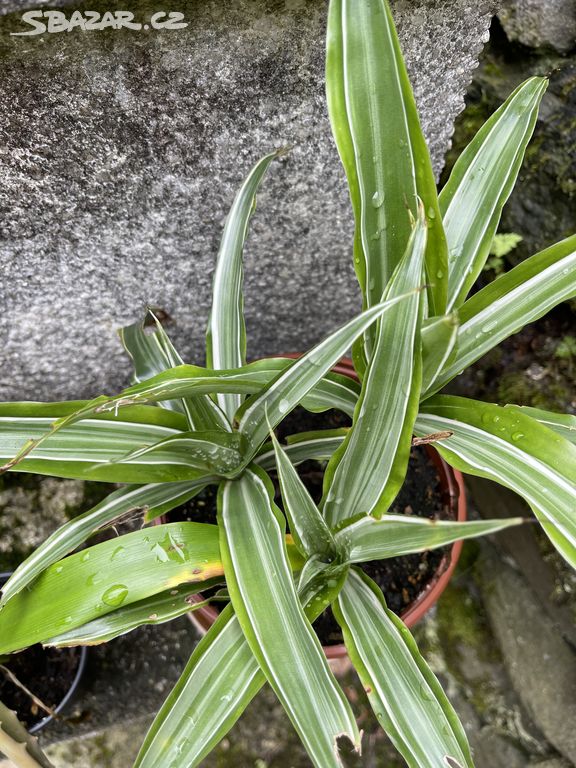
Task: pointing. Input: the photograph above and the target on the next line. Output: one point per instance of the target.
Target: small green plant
(502, 244)
(566, 348)
(180, 428)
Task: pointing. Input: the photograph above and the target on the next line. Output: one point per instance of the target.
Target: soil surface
(47, 672)
(401, 579)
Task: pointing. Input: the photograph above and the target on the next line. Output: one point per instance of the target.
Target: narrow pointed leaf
(438, 346)
(156, 609)
(331, 391)
(403, 692)
(509, 303)
(304, 446)
(186, 456)
(147, 502)
(516, 451)
(71, 450)
(394, 535)
(311, 534)
(220, 679)
(273, 621)
(286, 391)
(98, 580)
(152, 353)
(364, 476)
(376, 127)
(17, 744)
(216, 686)
(226, 333)
(480, 183)
(564, 424)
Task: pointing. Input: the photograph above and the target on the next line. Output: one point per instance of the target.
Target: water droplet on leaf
(118, 552)
(115, 595)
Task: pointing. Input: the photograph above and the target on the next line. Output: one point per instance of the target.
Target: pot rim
(4, 576)
(454, 493)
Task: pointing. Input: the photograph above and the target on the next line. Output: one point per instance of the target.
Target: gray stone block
(541, 664)
(540, 23)
(554, 763)
(121, 151)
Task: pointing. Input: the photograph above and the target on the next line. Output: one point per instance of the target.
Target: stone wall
(120, 153)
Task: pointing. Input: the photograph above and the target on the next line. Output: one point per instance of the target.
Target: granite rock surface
(540, 23)
(121, 151)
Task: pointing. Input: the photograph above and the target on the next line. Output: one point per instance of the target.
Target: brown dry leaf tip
(451, 762)
(22, 453)
(157, 313)
(432, 438)
(7, 466)
(131, 515)
(114, 405)
(345, 747)
(38, 702)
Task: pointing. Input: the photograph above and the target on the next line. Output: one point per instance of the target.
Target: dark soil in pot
(51, 674)
(401, 579)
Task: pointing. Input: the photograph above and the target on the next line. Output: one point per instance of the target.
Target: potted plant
(182, 428)
(411, 584)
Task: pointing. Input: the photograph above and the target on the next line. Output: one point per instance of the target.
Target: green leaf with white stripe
(330, 391)
(27, 431)
(157, 609)
(145, 502)
(226, 332)
(152, 353)
(272, 619)
(405, 695)
(366, 473)
(564, 424)
(311, 534)
(395, 535)
(187, 456)
(377, 131)
(96, 581)
(480, 183)
(218, 683)
(303, 446)
(286, 391)
(507, 446)
(439, 336)
(509, 303)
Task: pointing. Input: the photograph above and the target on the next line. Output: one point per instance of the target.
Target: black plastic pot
(81, 654)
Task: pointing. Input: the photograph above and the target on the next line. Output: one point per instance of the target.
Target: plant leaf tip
(347, 749)
(284, 150)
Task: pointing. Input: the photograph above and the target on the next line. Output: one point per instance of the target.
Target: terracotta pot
(454, 500)
(82, 654)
